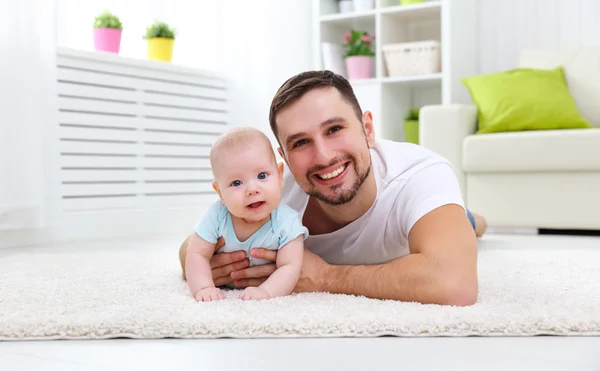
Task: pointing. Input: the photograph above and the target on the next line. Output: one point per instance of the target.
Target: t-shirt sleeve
(208, 226)
(290, 226)
(429, 188)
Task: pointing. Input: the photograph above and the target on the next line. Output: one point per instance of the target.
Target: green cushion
(524, 99)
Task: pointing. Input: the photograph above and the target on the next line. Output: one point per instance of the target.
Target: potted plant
(107, 32)
(359, 56)
(160, 39)
(411, 126)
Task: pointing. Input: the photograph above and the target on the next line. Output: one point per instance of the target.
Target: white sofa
(535, 179)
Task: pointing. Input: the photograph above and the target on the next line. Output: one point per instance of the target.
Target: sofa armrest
(443, 128)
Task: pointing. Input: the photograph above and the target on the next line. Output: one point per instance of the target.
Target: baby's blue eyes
(261, 176)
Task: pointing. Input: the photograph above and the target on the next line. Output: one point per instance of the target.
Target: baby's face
(249, 182)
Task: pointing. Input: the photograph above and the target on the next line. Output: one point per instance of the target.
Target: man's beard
(346, 195)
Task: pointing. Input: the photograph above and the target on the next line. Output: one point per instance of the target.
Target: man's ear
(280, 151)
(369, 128)
(216, 188)
(280, 170)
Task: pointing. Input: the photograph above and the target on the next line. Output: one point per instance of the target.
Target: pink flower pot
(359, 67)
(107, 39)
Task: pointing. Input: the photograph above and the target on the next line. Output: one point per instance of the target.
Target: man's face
(325, 145)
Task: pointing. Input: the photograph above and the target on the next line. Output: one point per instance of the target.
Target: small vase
(160, 49)
(363, 5)
(359, 67)
(411, 131)
(107, 39)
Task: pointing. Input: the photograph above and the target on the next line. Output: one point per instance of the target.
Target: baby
(249, 214)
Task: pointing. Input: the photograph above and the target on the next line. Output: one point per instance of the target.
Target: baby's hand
(254, 293)
(210, 294)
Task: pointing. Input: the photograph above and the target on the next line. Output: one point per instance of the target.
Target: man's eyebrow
(329, 121)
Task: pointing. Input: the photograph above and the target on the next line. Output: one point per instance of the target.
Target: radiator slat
(186, 126)
(108, 162)
(88, 190)
(85, 105)
(101, 148)
(98, 175)
(183, 114)
(193, 137)
(175, 162)
(184, 102)
(91, 119)
(167, 188)
(94, 134)
(96, 93)
(149, 87)
(179, 150)
(178, 175)
(125, 202)
(146, 70)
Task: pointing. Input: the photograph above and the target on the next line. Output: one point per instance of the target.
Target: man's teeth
(333, 174)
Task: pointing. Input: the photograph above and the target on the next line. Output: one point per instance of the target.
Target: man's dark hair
(295, 87)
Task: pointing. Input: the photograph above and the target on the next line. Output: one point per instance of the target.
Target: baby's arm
(198, 271)
(289, 264)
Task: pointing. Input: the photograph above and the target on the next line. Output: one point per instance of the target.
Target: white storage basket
(415, 58)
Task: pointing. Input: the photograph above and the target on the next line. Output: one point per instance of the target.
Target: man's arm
(441, 268)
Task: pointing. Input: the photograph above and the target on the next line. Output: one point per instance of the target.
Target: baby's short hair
(239, 137)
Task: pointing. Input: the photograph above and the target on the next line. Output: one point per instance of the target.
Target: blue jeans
(471, 219)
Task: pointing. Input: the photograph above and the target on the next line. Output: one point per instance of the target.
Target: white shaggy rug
(136, 293)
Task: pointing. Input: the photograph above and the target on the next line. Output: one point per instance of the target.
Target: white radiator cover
(131, 145)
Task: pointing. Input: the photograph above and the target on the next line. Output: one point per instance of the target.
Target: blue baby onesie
(285, 225)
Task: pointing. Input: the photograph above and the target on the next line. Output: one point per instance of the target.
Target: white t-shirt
(411, 181)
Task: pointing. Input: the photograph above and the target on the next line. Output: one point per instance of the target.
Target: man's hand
(312, 276)
(232, 267)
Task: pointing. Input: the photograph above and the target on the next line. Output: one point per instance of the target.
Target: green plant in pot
(161, 38)
(410, 2)
(411, 126)
(107, 32)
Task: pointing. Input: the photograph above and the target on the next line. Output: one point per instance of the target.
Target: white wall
(264, 42)
(507, 27)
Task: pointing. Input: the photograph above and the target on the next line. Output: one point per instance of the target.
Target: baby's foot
(210, 294)
(254, 293)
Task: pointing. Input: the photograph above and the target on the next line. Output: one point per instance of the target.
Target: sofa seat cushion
(543, 150)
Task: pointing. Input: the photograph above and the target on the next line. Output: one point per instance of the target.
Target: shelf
(421, 81)
(363, 82)
(344, 18)
(416, 11)
(432, 80)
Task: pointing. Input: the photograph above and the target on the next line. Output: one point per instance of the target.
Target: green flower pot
(411, 131)
(408, 2)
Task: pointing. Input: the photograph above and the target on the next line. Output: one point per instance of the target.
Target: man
(386, 219)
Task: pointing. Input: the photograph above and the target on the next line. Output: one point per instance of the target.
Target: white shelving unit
(451, 22)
